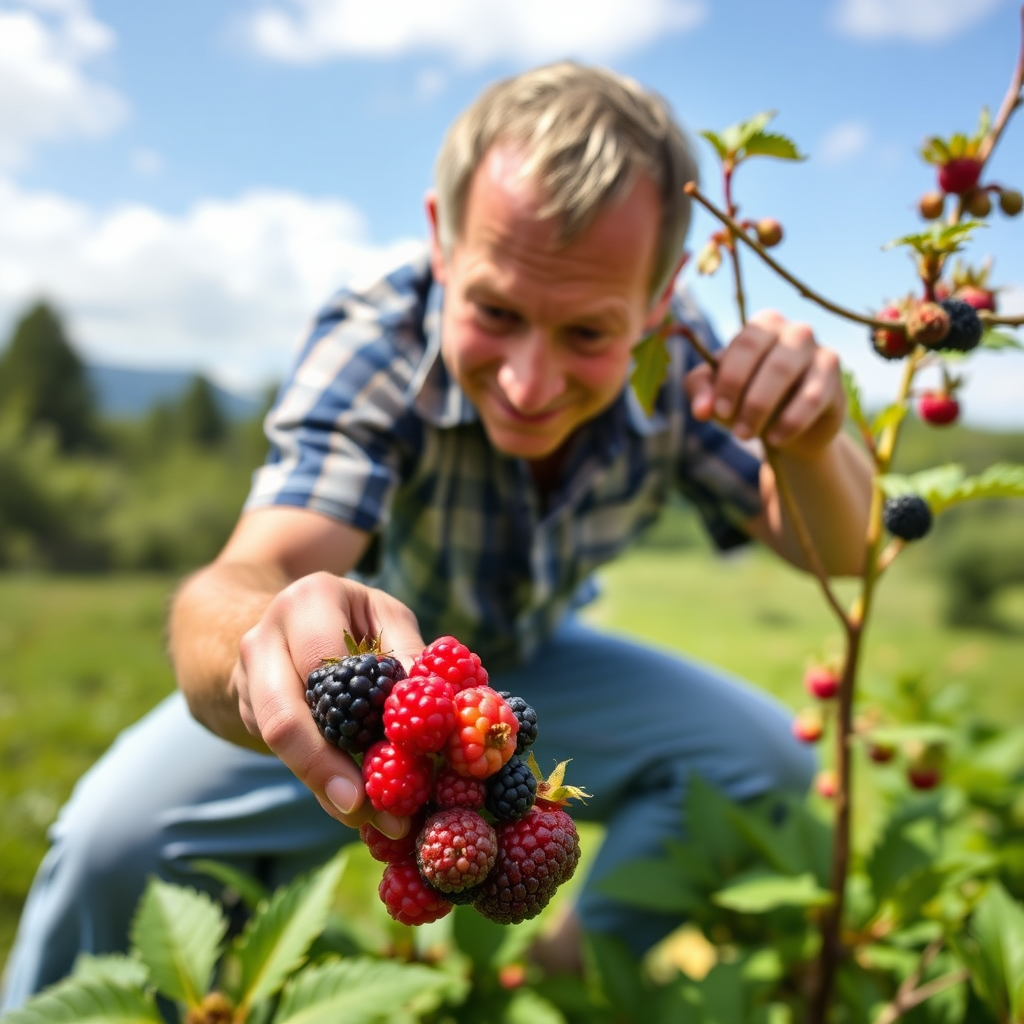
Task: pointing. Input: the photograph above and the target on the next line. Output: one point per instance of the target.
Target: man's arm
(775, 382)
(245, 631)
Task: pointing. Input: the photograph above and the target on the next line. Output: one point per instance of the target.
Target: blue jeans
(635, 721)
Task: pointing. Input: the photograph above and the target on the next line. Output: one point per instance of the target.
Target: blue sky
(187, 181)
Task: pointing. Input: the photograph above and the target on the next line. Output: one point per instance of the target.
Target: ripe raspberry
(419, 714)
(408, 898)
(527, 719)
(384, 848)
(826, 782)
(938, 408)
(536, 854)
(452, 661)
(454, 790)
(456, 850)
(907, 516)
(965, 326)
(821, 681)
(485, 734)
(959, 175)
(808, 726)
(511, 790)
(346, 697)
(397, 780)
(890, 344)
(979, 298)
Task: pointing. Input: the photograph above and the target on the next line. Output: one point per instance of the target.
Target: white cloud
(227, 287)
(922, 21)
(843, 142)
(147, 162)
(45, 94)
(472, 32)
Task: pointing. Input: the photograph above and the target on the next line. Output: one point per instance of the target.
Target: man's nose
(530, 376)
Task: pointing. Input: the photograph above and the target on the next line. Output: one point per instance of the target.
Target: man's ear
(438, 264)
(660, 308)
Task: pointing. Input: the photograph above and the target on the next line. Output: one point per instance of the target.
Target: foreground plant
(879, 932)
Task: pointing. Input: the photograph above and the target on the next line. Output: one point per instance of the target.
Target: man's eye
(586, 335)
(495, 314)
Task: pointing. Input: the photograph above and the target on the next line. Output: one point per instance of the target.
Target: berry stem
(1011, 101)
(691, 188)
(734, 229)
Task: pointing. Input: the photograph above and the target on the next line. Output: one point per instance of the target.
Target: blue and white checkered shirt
(372, 431)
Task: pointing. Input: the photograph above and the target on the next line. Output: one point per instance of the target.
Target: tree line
(81, 491)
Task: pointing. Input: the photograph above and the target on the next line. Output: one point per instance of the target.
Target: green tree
(42, 380)
(201, 418)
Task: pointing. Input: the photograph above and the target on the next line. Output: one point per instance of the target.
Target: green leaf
(528, 1006)
(771, 144)
(761, 891)
(275, 941)
(854, 405)
(939, 240)
(115, 968)
(997, 341)
(935, 151)
(620, 973)
(87, 1002)
(251, 890)
(652, 885)
(993, 951)
(650, 367)
(945, 486)
(477, 937)
(356, 991)
(718, 142)
(176, 933)
(737, 136)
(890, 416)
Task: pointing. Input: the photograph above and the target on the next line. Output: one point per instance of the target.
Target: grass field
(82, 657)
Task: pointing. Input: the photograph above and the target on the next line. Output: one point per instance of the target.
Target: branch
(691, 189)
(911, 993)
(1011, 101)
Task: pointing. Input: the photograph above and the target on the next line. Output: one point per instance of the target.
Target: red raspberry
(890, 344)
(456, 850)
(808, 726)
(536, 854)
(454, 790)
(938, 408)
(822, 682)
(397, 780)
(419, 714)
(979, 298)
(485, 733)
(451, 660)
(959, 175)
(923, 776)
(408, 898)
(384, 848)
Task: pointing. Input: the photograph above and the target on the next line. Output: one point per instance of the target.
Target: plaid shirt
(372, 431)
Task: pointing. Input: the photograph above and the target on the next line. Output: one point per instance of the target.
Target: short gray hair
(587, 133)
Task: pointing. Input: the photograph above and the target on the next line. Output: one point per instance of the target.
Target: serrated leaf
(718, 142)
(772, 144)
(946, 486)
(116, 968)
(650, 368)
(87, 1002)
(356, 991)
(251, 890)
(890, 416)
(935, 150)
(737, 136)
(996, 340)
(853, 400)
(275, 941)
(940, 239)
(176, 932)
(758, 892)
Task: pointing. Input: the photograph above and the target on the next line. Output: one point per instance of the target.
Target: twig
(693, 190)
(1014, 98)
(911, 993)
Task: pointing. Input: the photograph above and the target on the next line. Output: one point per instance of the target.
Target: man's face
(539, 336)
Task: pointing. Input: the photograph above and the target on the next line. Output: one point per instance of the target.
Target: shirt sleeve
(717, 473)
(340, 426)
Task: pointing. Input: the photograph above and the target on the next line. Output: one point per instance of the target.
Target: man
(455, 453)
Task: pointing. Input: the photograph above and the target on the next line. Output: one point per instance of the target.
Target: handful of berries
(443, 747)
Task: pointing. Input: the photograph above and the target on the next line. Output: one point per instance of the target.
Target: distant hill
(123, 393)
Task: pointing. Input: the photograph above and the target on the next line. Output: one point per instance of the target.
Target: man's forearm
(211, 611)
(833, 493)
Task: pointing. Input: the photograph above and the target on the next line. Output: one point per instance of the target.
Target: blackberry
(965, 326)
(907, 516)
(511, 791)
(527, 719)
(346, 697)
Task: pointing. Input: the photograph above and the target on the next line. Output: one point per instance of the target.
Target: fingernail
(392, 827)
(342, 793)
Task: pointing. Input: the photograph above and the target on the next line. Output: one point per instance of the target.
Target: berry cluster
(441, 746)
